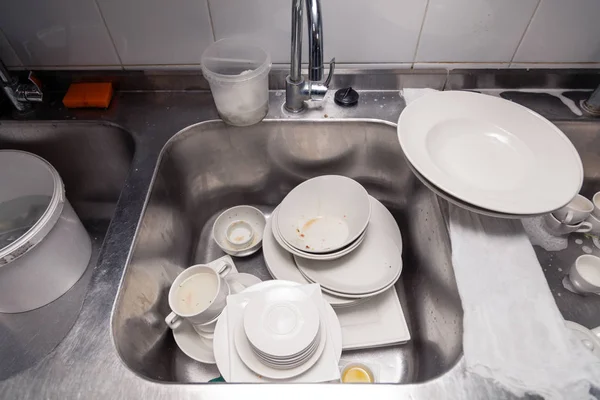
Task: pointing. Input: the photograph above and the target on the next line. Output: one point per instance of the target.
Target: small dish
(590, 338)
(238, 230)
(324, 214)
(375, 265)
(239, 234)
(193, 345)
(313, 256)
(238, 282)
(357, 373)
(281, 322)
(252, 361)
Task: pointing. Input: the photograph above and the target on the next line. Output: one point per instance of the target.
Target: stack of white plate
(489, 155)
(335, 235)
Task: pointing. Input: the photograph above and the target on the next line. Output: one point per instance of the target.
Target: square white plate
(375, 323)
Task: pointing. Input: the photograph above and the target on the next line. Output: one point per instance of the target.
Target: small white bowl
(239, 230)
(324, 214)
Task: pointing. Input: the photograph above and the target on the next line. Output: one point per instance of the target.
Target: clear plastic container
(238, 74)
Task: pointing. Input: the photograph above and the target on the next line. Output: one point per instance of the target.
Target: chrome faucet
(21, 95)
(297, 90)
(592, 104)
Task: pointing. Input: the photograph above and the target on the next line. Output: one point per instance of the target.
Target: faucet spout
(297, 89)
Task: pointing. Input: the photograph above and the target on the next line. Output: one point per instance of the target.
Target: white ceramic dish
(324, 214)
(486, 151)
(362, 296)
(313, 256)
(281, 322)
(374, 323)
(292, 362)
(253, 362)
(238, 282)
(281, 266)
(238, 230)
(221, 342)
(462, 204)
(194, 346)
(375, 265)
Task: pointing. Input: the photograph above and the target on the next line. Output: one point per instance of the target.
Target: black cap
(346, 97)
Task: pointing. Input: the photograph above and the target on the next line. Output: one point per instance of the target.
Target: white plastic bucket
(44, 248)
(238, 74)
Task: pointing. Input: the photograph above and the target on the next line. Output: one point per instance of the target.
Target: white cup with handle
(576, 211)
(199, 294)
(557, 228)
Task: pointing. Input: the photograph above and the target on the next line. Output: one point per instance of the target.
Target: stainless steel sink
(93, 160)
(210, 166)
(585, 136)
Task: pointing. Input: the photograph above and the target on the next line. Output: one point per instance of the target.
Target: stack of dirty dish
(328, 230)
(489, 155)
(278, 330)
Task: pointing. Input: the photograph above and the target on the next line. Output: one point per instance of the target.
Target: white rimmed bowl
(239, 230)
(324, 214)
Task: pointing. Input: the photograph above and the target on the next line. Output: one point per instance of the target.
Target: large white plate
(375, 265)
(490, 152)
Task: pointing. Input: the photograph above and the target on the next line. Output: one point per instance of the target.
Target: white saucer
(221, 342)
(253, 362)
(372, 267)
(194, 346)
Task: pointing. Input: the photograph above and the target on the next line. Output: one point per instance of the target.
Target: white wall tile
(563, 31)
(381, 32)
(148, 32)
(7, 53)
(57, 32)
(473, 30)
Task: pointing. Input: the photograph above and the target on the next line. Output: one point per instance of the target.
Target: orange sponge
(88, 95)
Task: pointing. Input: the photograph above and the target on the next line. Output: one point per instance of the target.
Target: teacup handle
(584, 227)
(569, 217)
(222, 266)
(173, 320)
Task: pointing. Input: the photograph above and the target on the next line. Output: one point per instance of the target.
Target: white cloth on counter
(514, 333)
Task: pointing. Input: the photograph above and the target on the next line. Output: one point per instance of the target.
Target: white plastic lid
(31, 202)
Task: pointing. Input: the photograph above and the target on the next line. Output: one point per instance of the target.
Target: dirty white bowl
(324, 214)
(239, 230)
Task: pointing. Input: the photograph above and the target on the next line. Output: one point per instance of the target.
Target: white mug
(199, 293)
(585, 274)
(558, 228)
(576, 211)
(596, 202)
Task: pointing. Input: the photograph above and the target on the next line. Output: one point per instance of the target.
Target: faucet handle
(330, 74)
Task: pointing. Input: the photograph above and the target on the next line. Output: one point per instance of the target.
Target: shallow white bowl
(312, 256)
(282, 322)
(324, 214)
(245, 217)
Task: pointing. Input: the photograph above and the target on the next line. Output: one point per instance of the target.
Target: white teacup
(576, 211)
(596, 203)
(585, 274)
(558, 228)
(595, 222)
(199, 294)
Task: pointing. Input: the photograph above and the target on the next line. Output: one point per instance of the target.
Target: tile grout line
(512, 60)
(210, 20)
(110, 36)
(414, 60)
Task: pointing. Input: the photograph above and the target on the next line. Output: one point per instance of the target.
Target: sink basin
(585, 136)
(210, 166)
(93, 160)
